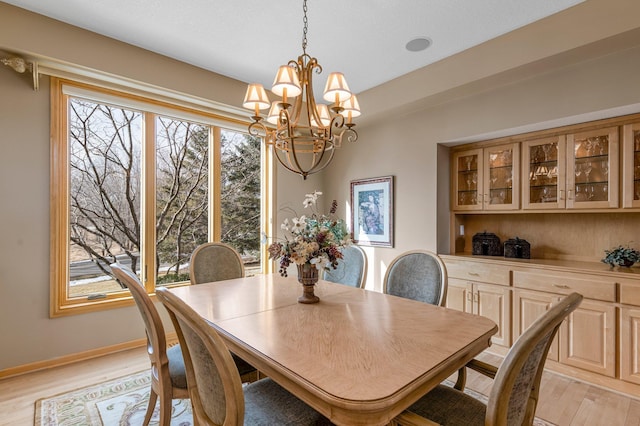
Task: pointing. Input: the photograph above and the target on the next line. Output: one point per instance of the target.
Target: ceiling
(246, 40)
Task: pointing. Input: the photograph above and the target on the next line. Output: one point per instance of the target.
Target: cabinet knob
(473, 274)
(561, 194)
(561, 286)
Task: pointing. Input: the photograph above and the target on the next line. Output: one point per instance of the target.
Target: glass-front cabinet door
(631, 167)
(544, 165)
(592, 169)
(467, 180)
(501, 177)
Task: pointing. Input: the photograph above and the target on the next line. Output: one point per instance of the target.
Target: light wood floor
(564, 402)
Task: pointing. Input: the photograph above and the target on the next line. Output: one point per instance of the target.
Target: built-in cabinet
(593, 164)
(487, 300)
(631, 166)
(601, 338)
(487, 179)
(630, 332)
(575, 169)
(572, 192)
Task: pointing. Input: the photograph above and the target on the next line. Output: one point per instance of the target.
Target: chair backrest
(215, 262)
(156, 340)
(351, 269)
(212, 377)
(418, 275)
(514, 395)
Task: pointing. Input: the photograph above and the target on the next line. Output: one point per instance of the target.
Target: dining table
(359, 357)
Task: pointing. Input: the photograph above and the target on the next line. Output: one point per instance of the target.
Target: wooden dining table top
(357, 356)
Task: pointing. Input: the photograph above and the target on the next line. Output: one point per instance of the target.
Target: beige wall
(404, 145)
(27, 333)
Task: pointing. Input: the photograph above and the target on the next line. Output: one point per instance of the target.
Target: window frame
(61, 304)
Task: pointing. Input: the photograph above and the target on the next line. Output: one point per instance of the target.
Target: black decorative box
(515, 247)
(486, 244)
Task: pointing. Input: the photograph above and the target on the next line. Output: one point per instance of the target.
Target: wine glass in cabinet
(487, 178)
(631, 165)
(592, 169)
(501, 177)
(466, 179)
(544, 171)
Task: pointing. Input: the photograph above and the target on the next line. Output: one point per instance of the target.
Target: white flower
(320, 261)
(299, 224)
(285, 224)
(311, 199)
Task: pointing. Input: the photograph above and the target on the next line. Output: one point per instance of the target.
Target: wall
(402, 144)
(407, 146)
(25, 326)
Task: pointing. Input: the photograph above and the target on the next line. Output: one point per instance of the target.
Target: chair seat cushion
(176, 367)
(266, 404)
(448, 406)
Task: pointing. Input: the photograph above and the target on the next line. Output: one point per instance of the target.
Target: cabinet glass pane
(636, 165)
(467, 180)
(500, 176)
(591, 168)
(543, 173)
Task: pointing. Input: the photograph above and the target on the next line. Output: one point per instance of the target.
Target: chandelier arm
(257, 128)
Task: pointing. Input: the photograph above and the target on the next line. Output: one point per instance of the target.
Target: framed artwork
(372, 211)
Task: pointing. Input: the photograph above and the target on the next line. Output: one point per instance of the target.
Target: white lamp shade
(323, 113)
(336, 89)
(256, 97)
(274, 112)
(351, 107)
(286, 78)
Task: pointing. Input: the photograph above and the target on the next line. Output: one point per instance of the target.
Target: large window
(144, 183)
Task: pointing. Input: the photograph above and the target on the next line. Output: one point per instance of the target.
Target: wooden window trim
(60, 303)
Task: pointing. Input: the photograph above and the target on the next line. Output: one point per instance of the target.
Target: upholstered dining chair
(168, 377)
(351, 269)
(418, 275)
(217, 396)
(215, 262)
(514, 395)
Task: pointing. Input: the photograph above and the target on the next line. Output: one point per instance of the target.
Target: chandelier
(304, 134)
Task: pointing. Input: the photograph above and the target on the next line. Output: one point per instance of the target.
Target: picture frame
(372, 211)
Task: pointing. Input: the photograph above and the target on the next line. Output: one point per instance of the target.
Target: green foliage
(621, 256)
(241, 192)
(171, 278)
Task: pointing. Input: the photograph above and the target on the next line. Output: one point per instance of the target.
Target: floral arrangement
(313, 239)
(621, 256)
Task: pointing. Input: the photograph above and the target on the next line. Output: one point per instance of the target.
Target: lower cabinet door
(630, 344)
(494, 302)
(459, 295)
(527, 307)
(588, 338)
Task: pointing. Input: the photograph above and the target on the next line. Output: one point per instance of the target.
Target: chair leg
(462, 379)
(165, 410)
(153, 397)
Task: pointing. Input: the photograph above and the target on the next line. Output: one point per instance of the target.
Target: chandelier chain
(305, 21)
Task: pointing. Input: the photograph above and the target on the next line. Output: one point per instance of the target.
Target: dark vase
(627, 263)
(308, 277)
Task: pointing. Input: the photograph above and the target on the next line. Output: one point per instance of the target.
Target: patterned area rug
(123, 402)
(120, 402)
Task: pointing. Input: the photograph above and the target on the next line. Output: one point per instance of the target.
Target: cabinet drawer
(477, 271)
(630, 293)
(590, 286)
